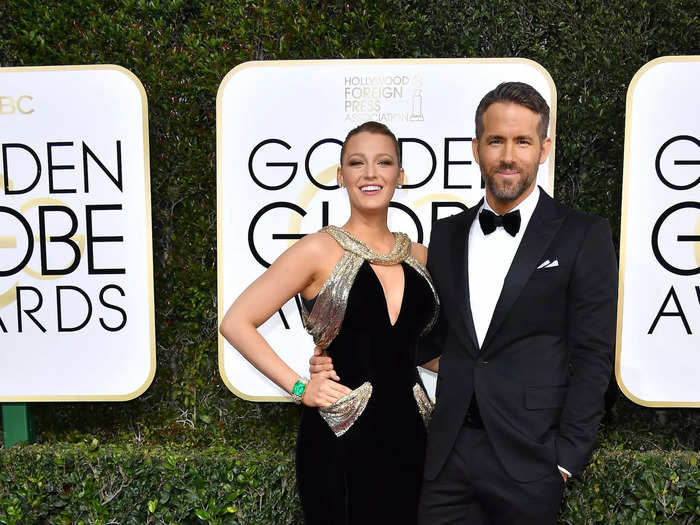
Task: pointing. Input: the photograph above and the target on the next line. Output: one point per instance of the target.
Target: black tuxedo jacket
(545, 363)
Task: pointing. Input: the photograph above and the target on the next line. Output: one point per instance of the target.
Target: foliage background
(181, 50)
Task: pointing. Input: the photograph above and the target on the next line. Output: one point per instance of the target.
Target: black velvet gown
(373, 472)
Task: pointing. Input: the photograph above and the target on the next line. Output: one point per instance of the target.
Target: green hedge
(81, 484)
(136, 485)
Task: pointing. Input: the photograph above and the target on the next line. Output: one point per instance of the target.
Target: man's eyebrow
(519, 137)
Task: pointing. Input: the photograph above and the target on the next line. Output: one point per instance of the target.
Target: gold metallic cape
(326, 317)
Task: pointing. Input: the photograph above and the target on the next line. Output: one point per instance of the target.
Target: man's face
(509, 153)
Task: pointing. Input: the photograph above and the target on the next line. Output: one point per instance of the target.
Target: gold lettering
(19, 104)
(7, 105)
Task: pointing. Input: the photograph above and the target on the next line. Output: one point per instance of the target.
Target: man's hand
(321, 391)
(564, 475)
(321, 363)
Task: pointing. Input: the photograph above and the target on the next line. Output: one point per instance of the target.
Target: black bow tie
(489, 221)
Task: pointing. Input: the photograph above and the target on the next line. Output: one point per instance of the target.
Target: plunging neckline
(324, 314)
(384, 295)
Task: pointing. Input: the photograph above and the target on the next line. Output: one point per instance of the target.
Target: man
(528, 290)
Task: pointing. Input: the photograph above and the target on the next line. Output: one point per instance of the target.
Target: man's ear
(475, 149)
(546, 147)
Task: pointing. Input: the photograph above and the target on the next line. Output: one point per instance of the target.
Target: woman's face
(370, 170)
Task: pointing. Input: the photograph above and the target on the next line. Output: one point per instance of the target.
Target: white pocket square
(549, 264)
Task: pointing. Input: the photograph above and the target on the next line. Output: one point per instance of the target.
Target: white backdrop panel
(658, 346)
(304, 109)
(79, 325)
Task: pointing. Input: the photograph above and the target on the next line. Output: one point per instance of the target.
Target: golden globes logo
(272, 166)
(76, 290)
(271, 169)
(21, 104)
(674, 257)
(48, 227)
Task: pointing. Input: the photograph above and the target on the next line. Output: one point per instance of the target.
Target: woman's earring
(340, 184)
(399, 186)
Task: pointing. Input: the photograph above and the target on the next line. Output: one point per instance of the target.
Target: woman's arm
(302, 268)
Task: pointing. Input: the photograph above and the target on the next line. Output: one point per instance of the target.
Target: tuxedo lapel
(543, 225)
(459, 256)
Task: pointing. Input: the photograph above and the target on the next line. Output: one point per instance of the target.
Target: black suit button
(482, 364)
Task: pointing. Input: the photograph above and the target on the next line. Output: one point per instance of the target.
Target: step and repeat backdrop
(280, 128)
(658, 338)
(76, 276)
(76, 292)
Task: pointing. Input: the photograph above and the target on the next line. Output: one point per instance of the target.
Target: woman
(368, 298)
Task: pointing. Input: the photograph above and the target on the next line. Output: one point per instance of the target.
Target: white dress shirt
(490, 257)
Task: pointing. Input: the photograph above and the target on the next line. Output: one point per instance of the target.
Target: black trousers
(473, 488)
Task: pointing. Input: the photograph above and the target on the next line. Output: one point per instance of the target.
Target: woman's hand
(320, 362)
(322, 391)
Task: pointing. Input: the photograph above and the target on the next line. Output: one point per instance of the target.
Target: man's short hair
(518, 93)
(372, 127)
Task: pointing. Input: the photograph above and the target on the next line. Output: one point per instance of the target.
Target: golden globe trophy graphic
(417, 106)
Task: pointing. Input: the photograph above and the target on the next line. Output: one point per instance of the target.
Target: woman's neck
(373, 231)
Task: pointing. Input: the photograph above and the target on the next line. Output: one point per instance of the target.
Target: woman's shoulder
(419, 252)
(318, 244)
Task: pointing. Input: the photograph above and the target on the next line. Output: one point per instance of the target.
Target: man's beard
(508, 192)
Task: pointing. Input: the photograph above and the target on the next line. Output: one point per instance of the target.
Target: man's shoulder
(442, 230)
(458, 219)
